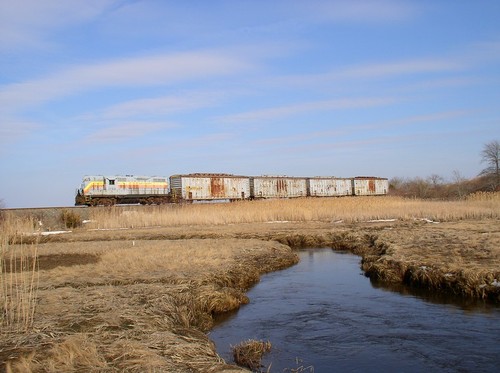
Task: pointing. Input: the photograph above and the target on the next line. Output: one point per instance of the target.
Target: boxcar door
(217, 187)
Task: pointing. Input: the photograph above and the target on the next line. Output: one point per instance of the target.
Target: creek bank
(457, 257)
(379, 263)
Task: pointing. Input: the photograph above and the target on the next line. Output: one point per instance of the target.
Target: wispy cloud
(26, 23)
(126, 131)
(303, 107)
(409, 67)
(366, 11)
(154, 70)
(182, 101)
(372, 128)
(200, 147)
(373, 71)
(12, 129)
(406, 140)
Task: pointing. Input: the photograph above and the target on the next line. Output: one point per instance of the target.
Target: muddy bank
(459, 258)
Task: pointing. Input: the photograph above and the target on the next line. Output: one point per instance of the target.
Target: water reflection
(326, 313)
(466, 304)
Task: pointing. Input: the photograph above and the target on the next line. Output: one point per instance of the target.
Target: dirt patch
(48, 262)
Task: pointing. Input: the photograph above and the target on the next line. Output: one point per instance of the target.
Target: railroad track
(42, 208)
(27, 209)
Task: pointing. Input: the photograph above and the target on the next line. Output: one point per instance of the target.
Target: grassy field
(346, 209)
(136, 288)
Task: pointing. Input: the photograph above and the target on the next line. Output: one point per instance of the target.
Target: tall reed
(347, 209)
(13, 227)
(18, 280)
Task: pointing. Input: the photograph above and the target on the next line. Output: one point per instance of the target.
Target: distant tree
(420, 187)
(459, 183)
(395, 183)
(491, 156)
(436, 186)
(435, 180)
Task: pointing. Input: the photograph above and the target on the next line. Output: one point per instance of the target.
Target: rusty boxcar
(278, 187)
(369, 185)
(206, 187)
(321, 186)
(110, 190)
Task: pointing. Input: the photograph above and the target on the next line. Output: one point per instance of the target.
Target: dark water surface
(324, 313)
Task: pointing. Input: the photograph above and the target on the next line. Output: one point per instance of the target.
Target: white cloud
(376, 71)
(154, 70)
(163, 105)
(194, 146)
(371, 128)
(361, 10)
(484, 52)
(293, 109)
(26, 23)
(409, 67)
(127, 131)
(12, 129)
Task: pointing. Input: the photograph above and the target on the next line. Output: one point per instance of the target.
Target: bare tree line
(435, 186)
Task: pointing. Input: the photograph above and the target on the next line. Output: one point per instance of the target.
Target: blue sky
(390, 88)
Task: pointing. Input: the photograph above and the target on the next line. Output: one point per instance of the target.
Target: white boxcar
(329, 187)
(369, 186)
(206, 187)
(278, 187)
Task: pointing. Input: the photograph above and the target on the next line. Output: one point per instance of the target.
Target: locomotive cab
(111, 190)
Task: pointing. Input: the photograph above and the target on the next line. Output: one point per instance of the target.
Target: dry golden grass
(347, 209)
(18, 283)
(142, 306)
(459, 257)
(134, 261)
(249, 353)
(13, 227)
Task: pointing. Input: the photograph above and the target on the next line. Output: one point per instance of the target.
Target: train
(204, 187)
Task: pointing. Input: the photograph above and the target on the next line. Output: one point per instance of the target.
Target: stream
(324, 315)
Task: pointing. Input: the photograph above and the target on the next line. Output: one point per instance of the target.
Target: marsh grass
(18, 284)
(462, 258)
(346, 209)
(13, 228)
(70, 219)
(249, 353)
(145, 305)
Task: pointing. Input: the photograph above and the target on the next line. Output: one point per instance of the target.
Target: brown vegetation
(249, 353)
(71, 219)
(435, 187)
(111, 297)
(145, 305)
(346, 209)
(18, 286)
